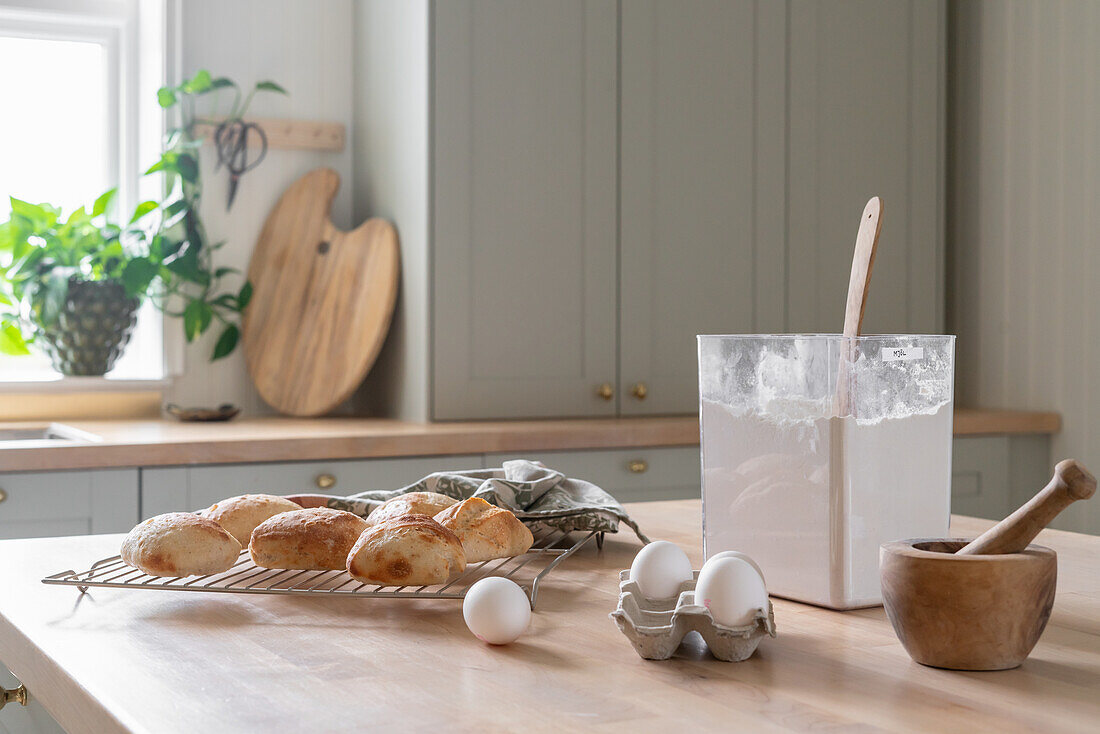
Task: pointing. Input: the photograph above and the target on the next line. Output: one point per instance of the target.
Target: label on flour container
(902, 354)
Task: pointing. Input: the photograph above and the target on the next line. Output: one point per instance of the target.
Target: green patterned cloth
(536, 494)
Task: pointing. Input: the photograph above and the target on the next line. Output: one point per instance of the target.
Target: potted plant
(71, 284)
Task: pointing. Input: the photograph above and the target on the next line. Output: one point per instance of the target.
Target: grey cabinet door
(49, 504)
(183, 488)
(980, 480)
(523, 192)
(30, 719)
(866, 117)
(629, 475)
(702, 187)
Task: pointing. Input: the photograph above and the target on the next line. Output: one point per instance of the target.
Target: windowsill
(83, 385)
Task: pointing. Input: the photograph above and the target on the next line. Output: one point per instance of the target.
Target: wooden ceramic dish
(224, 412)
(967, 612)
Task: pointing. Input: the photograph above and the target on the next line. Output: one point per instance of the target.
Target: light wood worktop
(157, 661)
(167, 442)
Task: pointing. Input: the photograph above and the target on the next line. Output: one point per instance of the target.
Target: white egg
(742, 556)
(732, 590)
(659, 569)
(496, 610)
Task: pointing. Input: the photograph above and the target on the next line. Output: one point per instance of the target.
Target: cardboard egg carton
(656, 627)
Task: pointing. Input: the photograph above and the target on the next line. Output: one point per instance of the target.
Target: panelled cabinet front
(702, 161)
(48, 504)
(866, 117)
(611, 179)
(524, 111)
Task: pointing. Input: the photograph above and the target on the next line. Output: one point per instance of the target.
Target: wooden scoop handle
(1071, 482)
(863, 262)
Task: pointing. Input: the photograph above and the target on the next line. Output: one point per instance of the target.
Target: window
(80, 116)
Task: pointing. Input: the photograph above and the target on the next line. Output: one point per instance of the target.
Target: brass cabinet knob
(13, 695)
(606, 391)
(325, 481)
(3, 495)
(638, 466)
(639, 390)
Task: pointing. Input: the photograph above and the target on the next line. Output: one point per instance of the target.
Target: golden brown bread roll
(317, 539)
(180, 544)
(486, 531)
(412, 503)
(241, 515)
(409, 550)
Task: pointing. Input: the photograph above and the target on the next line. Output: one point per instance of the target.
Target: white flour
(812, 497)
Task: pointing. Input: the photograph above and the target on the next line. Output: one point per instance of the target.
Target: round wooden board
(322, 300)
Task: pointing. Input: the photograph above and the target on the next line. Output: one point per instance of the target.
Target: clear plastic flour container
(808, 478)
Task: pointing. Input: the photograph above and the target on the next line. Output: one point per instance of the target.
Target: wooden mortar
(981, 604)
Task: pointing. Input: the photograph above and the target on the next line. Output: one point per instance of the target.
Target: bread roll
(486, 531)
(241, 515)
(412, 503)
(408, 550)
(180, 544)
(317, 539)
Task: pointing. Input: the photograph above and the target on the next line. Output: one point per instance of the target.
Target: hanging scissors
(231, 143)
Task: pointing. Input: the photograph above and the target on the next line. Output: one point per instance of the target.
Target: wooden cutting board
(322, 300)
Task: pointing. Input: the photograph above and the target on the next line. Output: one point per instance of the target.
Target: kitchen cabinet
(30, 719)
(524, 220)
(46, 504)
(702, 188)
(993, 475)
(603, 181)
(979, 476)
(629, 475)
(174, 489)
(866, 116)
(752, 135)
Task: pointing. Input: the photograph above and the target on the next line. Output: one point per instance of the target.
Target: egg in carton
(656, 627)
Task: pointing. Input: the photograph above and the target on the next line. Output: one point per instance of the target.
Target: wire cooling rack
(528, 570)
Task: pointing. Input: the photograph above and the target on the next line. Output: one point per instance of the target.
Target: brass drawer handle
(325, 481)
(606, 391)
(3, 495)
(638, 466)
(13, 695)
(639, 390)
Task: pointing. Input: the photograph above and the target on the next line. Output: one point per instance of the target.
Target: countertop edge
(155, 442)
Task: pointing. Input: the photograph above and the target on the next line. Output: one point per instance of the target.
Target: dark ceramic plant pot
(92, 329)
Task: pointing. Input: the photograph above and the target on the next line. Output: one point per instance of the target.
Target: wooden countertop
(156, 661)
(165, 442)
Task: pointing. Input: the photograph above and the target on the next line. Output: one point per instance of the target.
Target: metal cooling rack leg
(553, 563)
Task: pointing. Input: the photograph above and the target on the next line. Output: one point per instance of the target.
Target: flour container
(810, 477)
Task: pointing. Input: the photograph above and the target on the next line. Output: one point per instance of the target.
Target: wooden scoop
(863, 260)
(1071, 482)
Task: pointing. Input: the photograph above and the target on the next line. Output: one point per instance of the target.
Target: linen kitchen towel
(535, 493)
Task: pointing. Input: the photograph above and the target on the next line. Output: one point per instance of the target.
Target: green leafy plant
(162, 252)
(39, 252)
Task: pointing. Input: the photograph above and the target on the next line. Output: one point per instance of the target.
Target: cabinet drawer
(630, 475)
(177, 489)
(29, 719)
(979, 476)
(45, 504)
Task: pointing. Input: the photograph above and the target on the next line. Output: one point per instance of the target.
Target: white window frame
(138, 37)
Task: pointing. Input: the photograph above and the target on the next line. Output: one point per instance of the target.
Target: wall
(307, 47)
(1023, 182)
(390, 149)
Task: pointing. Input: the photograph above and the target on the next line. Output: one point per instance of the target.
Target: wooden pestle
(1071, 482)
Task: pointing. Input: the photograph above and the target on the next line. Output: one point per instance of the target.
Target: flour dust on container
(818, 448)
